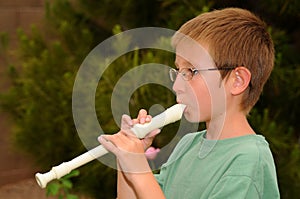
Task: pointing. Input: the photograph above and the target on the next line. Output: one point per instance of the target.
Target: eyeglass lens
(173, 74)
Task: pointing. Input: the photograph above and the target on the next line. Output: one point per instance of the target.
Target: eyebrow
(185, 65)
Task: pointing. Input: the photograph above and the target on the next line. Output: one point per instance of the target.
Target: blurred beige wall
(14, 14)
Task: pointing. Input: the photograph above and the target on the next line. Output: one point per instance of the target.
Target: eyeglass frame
(194, 71)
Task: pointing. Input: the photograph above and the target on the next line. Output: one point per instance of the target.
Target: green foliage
(285, 149)
(41, 92)
(276, 116)
(181, 11)
(62, 187)
(3, 41)
(40, 98)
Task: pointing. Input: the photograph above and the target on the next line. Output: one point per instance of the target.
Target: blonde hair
(235, 37)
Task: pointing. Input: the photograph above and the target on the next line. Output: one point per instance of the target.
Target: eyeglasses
(188, 73)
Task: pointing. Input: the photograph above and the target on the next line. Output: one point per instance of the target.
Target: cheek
(204, 104)
(200, 109)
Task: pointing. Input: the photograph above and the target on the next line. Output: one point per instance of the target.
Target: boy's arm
(125, 190)
(135, 177)
(139, 185)
(135, 185)
(144, 186)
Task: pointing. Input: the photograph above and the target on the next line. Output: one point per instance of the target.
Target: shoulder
(250, 151)
(251, 145)
(253, 158)
(252, 163)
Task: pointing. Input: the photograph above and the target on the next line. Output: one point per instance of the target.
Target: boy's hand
(127, 147)
(142, 119)
(127, 123)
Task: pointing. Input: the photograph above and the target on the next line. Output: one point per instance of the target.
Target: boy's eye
(186, 71)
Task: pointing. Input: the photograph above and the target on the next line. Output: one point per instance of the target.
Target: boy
(227, 160)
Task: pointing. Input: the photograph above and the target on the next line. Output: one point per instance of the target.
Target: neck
(228, 126)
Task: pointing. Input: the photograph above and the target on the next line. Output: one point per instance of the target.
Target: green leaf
(52, 189)
(73, 173)
(72, 196)
(67, 183)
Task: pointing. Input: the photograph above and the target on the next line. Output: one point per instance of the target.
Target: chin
(191, 118)
(195, 117)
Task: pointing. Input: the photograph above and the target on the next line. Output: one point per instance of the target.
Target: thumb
(153, 133)
(126, 122)
(147, 141)
(108, 145)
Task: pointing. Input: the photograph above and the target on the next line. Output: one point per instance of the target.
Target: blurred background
(42, 45)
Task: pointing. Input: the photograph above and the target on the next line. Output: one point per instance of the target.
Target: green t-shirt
(235, 168)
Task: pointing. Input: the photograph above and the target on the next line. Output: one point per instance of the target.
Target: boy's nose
(178, 85)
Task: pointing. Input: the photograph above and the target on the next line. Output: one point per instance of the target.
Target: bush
(40, 98)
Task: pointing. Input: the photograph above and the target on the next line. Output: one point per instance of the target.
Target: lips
(180, 102)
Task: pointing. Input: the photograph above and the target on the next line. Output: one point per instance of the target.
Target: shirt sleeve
(235, 187)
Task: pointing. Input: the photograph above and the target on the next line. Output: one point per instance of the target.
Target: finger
(142, 120)
(135, 121)
(153, 133)
(126, 122)
(142, 116)
(128, 133)
(147, 141)
(115, 143)
(148, 118)
(108, 145)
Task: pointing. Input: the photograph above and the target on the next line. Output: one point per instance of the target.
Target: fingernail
(142, 120)
(147, 119)
(101, 138)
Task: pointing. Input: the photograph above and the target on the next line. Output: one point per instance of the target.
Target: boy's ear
(241, 77)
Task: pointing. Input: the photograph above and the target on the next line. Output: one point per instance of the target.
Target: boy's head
(235, 37)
